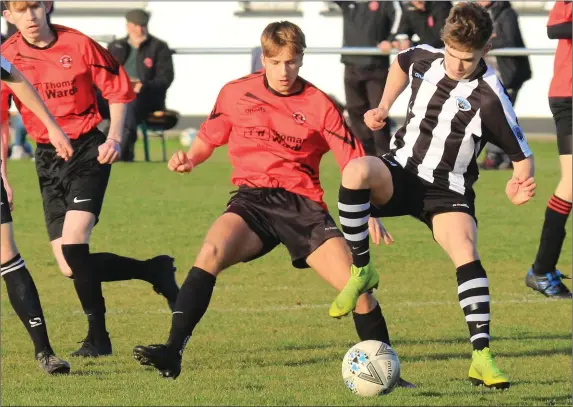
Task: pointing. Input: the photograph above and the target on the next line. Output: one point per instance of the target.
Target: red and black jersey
(559, 27)
(65, 73)
(277, 141)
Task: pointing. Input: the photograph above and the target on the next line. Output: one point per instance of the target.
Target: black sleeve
(407, 57)
(499, 122)
(560, 31)
(164, 73)
(432, 35)
(404, 27)
(506, 29)
(6, 69)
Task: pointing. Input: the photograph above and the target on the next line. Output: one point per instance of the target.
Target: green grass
(267, 338)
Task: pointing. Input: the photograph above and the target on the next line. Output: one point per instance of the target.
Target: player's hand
(180, 163)
(378, 232)
(109, 151)
(375, 119)
(519, 192)
(10, 194)
(61, 143)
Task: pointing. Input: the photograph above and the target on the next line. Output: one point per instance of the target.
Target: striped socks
(354, 212)
(473, 295)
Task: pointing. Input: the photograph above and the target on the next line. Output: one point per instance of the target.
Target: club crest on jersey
(66, 61)
(299, 117)
(463, 104)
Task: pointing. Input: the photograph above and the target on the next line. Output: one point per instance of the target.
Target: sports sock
(192, 302)
(88, 287)
(473, 295)
(372, 326)
(112, 267)
(25, 300)
(552, 236)
(354, 212)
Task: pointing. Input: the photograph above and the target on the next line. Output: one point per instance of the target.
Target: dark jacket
(514, 71)
(154, 69)
(366, 24)
(427, 24)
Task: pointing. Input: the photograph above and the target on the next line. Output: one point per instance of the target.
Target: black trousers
(364, 87)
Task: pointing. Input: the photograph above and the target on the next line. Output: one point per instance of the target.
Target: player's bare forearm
(524, 169)
(395, 85)
(28, 95)
(117, 113)
(199, 151)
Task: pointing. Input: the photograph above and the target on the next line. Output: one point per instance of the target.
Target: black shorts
(279, 216)
(76, 185)
(561, 110)
(5, 213)
(418, 198)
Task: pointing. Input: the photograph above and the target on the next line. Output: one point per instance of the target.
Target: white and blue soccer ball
(187, 136)
(371, 368)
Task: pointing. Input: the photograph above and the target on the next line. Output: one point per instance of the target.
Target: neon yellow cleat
(362, 279)
(483, 371)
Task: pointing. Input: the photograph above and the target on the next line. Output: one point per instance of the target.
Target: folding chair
(157, 123)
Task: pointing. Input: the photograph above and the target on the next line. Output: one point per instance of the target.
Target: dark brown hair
(468, 27)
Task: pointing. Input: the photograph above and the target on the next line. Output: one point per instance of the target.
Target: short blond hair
(282, 34)
(468, 27)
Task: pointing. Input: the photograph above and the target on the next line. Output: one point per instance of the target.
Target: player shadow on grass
(565, 351)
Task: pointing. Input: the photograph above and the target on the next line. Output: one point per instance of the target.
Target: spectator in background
(424, 20)
(256, 62)
(513, 71)
(368, 24)
(147, 60)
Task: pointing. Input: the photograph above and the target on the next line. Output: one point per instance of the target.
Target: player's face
(282, 70)
(461, 64)
(29, 17)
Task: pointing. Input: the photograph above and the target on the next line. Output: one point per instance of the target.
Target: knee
(365, 304)
(358, 170)
(210, 257)
(365, 172)
(75, 255)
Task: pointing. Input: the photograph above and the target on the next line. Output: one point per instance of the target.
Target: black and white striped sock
(354, 212)
(473, 295)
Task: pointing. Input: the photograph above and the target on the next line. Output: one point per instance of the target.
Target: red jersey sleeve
(339, 138)
(107, 74)
(560, 13)
(217, 128)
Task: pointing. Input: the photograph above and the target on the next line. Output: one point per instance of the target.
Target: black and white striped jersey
(5, 68)
(448, 122)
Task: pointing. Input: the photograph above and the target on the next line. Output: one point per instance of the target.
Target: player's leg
(363, 180)
(24, 297)
(543, 276)
(332, 260)
(84, 183)
(230, 240)
(456, 233)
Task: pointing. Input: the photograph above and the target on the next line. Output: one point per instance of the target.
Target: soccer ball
(187, 136)
(370, 368)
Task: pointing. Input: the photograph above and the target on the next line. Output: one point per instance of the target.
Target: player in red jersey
(277, 127)
(543, 275)
(22, 291)
(64, 66)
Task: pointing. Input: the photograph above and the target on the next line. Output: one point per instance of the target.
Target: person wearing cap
(147, 60)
